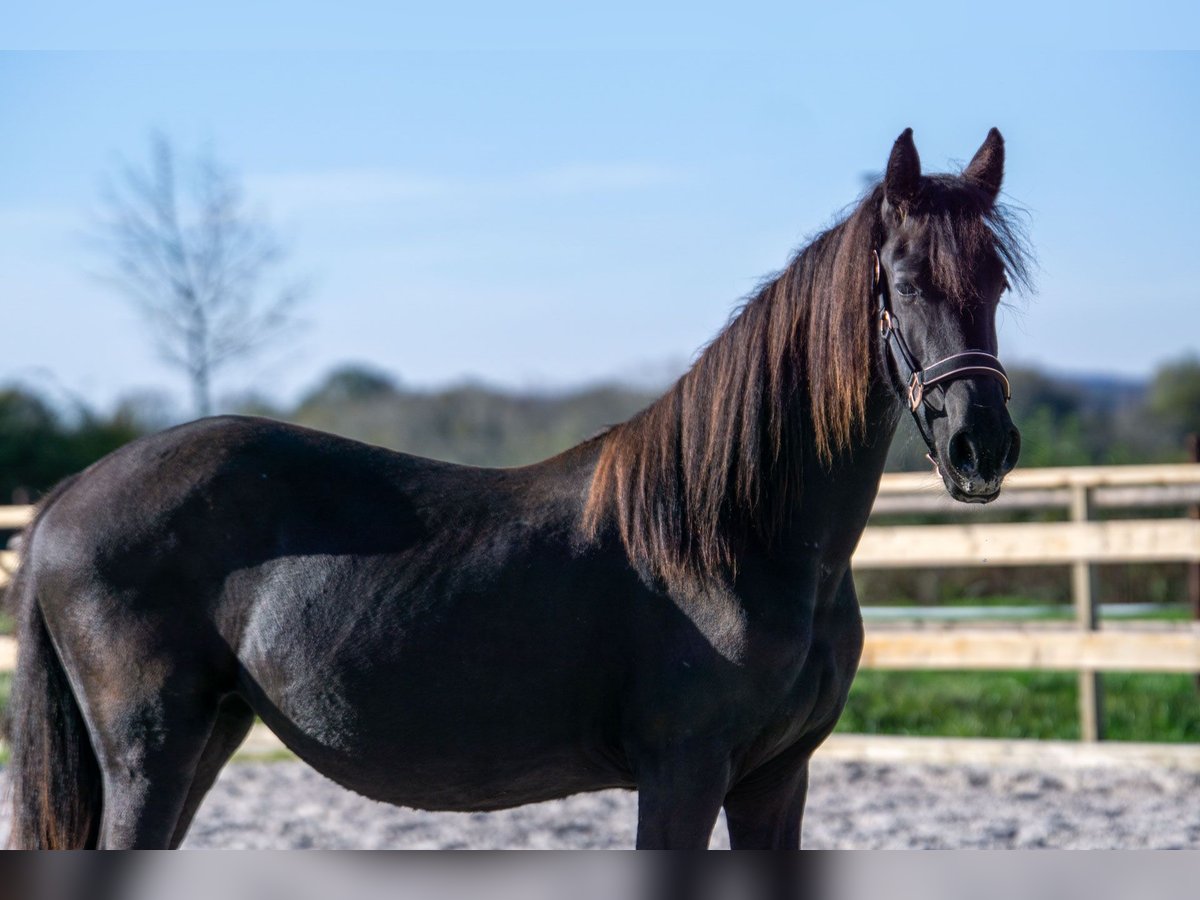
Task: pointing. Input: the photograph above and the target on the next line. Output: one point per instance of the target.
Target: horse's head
(941, 267)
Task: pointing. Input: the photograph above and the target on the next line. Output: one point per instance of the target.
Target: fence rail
(1028, 544)
(1058, 650)
(1080, 543)
(12, 517)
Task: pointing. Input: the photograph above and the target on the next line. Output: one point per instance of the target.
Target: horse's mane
(716, 462)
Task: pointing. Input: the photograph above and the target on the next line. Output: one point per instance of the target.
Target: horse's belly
(425, 767)
(473, 785)
(453, 737)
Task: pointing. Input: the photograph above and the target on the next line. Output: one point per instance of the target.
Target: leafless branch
(197, 262)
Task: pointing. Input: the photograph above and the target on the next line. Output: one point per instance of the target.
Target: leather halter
(914, 381)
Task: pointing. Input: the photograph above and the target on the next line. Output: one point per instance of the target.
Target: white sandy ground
(851, 805)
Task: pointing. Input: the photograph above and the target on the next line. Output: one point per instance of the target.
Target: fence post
(1193, 569)
(1083, 593)
(1193, 443)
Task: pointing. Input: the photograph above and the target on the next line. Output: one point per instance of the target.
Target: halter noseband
(914, 380)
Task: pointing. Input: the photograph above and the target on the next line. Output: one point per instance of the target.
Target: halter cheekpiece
(913, 380)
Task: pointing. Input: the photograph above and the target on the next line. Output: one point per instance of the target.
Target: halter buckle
(885, 323)
(916, 391)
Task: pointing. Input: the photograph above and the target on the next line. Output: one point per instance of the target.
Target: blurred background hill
(1064, 419)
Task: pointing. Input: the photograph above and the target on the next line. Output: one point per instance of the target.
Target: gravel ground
(851, 805)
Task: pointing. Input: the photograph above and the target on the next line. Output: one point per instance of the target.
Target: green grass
(282, 755)
(1180, 613)
(1039, 705)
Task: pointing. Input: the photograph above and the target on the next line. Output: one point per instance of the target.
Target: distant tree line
(39, 445)
(1064, 421)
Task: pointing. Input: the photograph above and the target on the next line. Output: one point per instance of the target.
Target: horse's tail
(53, 775)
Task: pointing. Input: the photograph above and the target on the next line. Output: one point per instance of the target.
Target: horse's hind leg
(233, 723)
(150, 750)
(150, 694)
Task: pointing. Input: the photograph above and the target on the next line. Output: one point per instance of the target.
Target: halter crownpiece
(913, 380)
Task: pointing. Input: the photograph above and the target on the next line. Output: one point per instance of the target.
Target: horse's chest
(809, 699)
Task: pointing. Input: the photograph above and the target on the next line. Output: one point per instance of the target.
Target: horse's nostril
(1012, 453)
(962, 454)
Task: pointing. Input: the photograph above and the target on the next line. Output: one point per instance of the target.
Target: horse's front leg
(679, 798)
(766, 811)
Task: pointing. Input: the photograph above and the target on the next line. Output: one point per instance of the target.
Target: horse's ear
(986, 169)
(903, 176)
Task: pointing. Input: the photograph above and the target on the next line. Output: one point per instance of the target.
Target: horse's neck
(836, 500)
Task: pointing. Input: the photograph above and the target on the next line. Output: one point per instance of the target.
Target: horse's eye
(906, 289)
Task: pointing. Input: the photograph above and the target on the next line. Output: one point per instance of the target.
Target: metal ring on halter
(916, 392)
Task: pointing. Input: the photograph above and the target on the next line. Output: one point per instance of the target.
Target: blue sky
(545, 217)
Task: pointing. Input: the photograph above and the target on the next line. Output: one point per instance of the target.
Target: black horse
(666, 607)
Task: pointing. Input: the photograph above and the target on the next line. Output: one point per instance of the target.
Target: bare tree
(197, 262)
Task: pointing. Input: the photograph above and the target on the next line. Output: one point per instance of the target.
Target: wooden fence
(1081, 543)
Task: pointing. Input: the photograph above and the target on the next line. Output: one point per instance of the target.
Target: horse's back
(219, 489)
